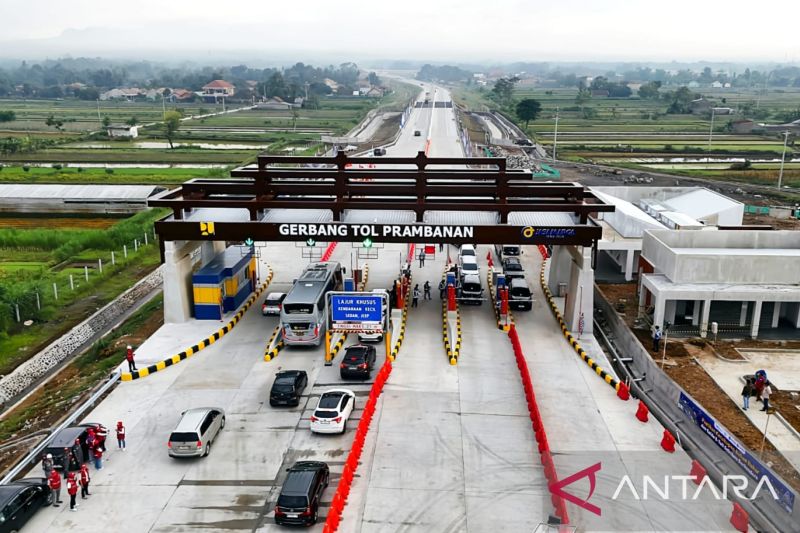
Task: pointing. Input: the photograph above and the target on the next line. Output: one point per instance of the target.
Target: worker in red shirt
(85, 479)
(72, 490)
(121, 435)
(129, 355)
(55, 485)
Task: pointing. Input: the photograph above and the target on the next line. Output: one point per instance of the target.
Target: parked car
(273, 303)
(358, 361)
(71, 439)
(298, 502)
(470, 290)
(333, 410)
(512, 268)
(19, 501)
(506, 250)
(195, 432)
(378, 151)
(417, 133)
(519, 295)
(288, 387)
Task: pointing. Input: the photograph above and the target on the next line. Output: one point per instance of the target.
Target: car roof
(518, 281)
(275, 295)
(192, 418)
(66, 437)
(297, 482)
(469, 259)
(9, 490)
(467, 247)
(471, 278)
(289, 374)
(511, 260)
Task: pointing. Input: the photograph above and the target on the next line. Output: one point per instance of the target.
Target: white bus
(304, 311)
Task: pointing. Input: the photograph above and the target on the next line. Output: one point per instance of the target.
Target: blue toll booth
(224, 283)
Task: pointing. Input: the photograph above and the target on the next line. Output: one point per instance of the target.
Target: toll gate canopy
(383, 199)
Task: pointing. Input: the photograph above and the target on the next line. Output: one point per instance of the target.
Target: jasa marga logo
(529, 232)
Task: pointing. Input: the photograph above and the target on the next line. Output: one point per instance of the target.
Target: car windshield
(355, 354)
(470, 266)
(511, 250)
(467, 251)
(273, 301)
(292, 502)
(183, 437)
(326, 414)
(330, 401)
(283, 386)
(513, 265)
(521, 292)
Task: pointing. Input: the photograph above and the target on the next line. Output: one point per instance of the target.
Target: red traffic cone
(642, 412)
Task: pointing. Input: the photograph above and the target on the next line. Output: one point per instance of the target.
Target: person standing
(129, 356)
(72, 490)
(747, 391)
(415, 296)
(427, 288)
(656, 338)
(55, 486)
(98, 458)
(101, 433)
(47, 465)
(766, 392)
(441, 247)
(85, 479)
(120, 435)
(422, 258)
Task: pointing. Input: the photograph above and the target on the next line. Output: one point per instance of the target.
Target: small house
(122, 131)
(743, 127)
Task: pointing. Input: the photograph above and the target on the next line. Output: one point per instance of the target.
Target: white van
(469, 265)
(466, 250)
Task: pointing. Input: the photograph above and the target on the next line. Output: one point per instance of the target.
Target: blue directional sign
(363, 308)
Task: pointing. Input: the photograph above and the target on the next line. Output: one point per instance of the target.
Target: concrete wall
(770, 264)
(18, 381)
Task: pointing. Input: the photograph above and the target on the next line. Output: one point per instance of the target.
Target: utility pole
(98, 113)
(711, 129)
(783, 157)
(555, 137)
(163, 107)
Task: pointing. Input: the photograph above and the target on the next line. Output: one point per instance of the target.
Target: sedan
(358, 362)
(19, 501)
(332, 412)
(513, 268)
(273, 303)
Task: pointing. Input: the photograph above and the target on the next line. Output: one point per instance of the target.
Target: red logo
(557, 488)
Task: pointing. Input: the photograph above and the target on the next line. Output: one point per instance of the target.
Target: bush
(80, 169)
(57, 166)
(109, 170)
(25, 168)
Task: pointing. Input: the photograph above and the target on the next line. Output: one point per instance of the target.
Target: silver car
(195, 432)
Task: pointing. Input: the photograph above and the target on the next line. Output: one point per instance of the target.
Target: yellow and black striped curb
(452, 350)
(608, 378)
(338, 346)
(364, 278)
(399, 342)
(500, 325)
(205, 343)
(270, 354)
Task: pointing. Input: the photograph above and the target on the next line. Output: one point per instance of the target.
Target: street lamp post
(555, 137)
(783, 157)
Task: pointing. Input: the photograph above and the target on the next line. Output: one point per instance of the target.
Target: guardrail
(35, 455)
(661, 395)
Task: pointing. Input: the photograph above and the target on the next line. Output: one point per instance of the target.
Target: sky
(419, 30)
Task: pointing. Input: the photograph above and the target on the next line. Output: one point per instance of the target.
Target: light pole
(783, 157)
(555, 137)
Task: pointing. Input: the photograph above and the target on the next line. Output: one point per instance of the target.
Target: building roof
(700, 203)
(14, 192)
(218, 84)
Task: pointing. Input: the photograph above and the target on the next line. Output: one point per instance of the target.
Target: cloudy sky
(438, 30)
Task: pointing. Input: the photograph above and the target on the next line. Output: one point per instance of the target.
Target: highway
(450, 448)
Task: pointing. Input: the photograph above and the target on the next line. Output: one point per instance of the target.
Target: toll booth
(224, 283)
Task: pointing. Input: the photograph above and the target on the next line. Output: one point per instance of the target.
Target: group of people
(415, 294)
(758, 386)
(92, 448)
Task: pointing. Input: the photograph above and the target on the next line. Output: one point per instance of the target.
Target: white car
(466, 250)
(333, 410)
(469, 265)
(273, 303)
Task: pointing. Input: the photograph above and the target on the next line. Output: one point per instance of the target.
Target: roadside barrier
(697, 472)
(272, 350)
(500, 325)
(642, 412)
(329, 251)
(364, 278)
(740, 519)
(546, 456)
(205, 343)
(622, 389)
(351, 463)
(668, 442)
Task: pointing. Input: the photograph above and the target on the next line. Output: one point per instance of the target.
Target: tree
(106, 121)
(132, 121)
(528, 109)
(649, 90)
(56, 123)
(503, 90)
(8, 116)
(681, 101)
(172, 122)
(583, 96)
(373, 79)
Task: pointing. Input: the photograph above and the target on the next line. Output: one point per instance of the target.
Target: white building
(639, 209)
(744, 280)
(117, 131)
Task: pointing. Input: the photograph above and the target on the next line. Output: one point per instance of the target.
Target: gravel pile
(516, 160)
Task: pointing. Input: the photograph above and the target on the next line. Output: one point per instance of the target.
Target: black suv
(288, 387)
(298, 503)
(358, 361)
(20, 500)
(513, 268)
